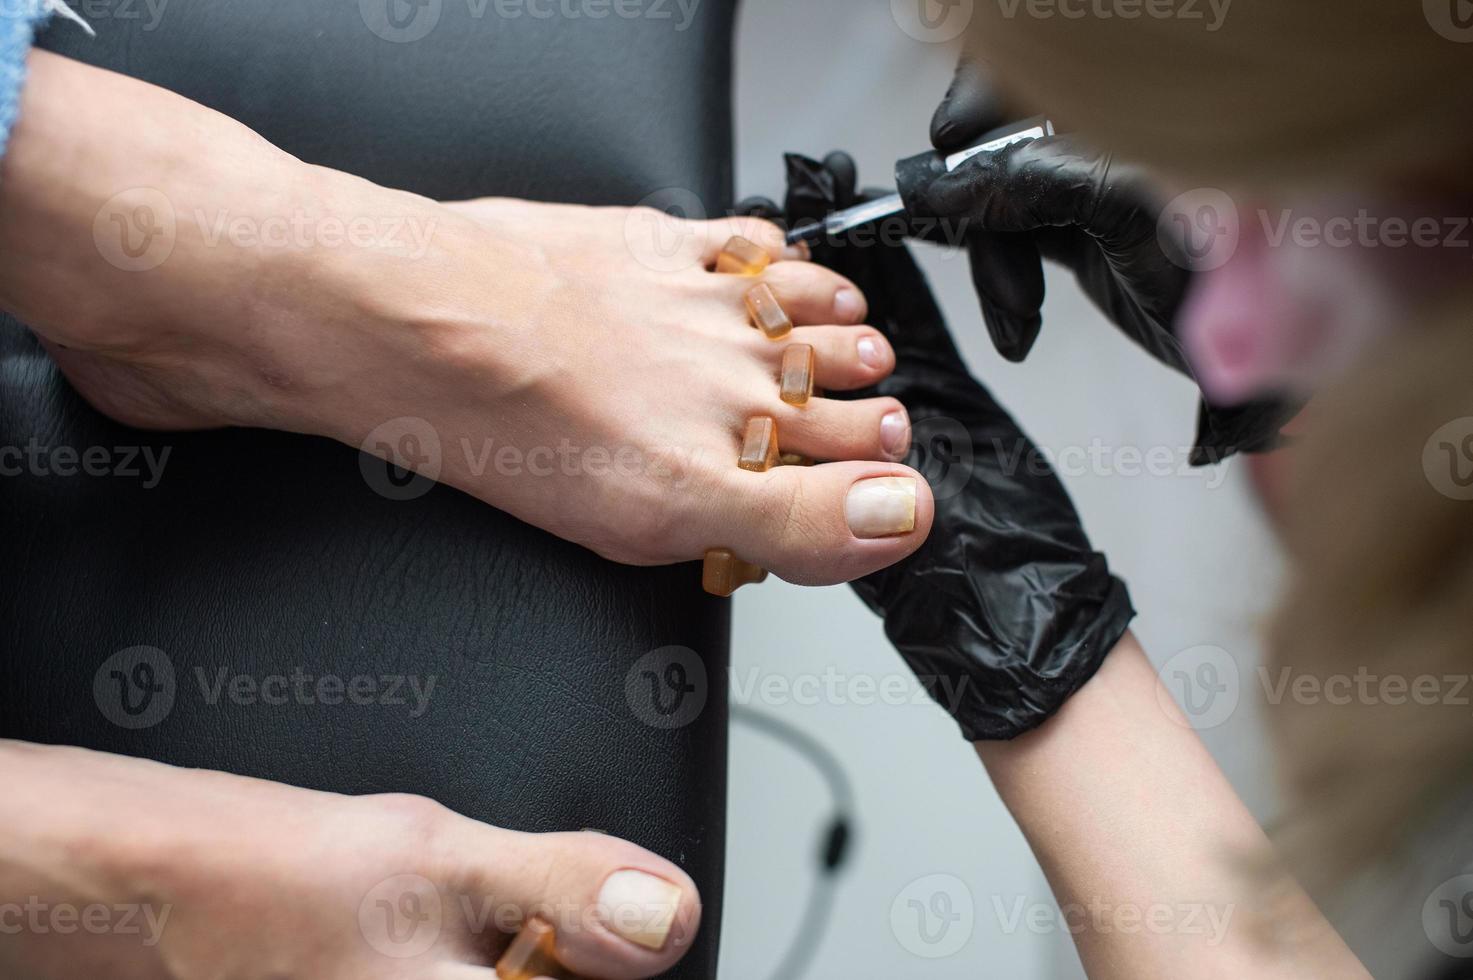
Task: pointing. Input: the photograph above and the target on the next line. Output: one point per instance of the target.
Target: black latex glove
(1058, 199)
(1006, 610)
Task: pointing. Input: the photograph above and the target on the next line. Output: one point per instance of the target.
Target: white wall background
(823, 74)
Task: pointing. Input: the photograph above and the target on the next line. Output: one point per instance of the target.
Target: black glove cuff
(996, 694)
(1080, 655)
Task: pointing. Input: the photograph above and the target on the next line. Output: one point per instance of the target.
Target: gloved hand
(1006, 610)
(1058, 199)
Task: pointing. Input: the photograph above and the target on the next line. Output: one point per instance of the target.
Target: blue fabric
(18, 22)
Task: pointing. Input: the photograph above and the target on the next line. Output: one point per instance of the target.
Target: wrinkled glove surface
(1006, 610)
(1058, 199)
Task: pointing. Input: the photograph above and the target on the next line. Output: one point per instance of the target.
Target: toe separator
(723, 572)
(740, 257)
(532, 955)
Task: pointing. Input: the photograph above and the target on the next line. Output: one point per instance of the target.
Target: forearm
(1146, 845)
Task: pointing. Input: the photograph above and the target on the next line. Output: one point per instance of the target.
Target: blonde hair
(1382, 549)
(1281, 92)
(1288, 94)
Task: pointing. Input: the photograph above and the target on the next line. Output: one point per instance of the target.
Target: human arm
(1163, 870)
(1019, 629)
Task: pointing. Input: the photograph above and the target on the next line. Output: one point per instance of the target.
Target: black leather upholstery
(263, 553)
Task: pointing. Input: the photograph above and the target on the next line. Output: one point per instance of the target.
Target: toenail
(895, 435)
(639, 907)
(870, 354)
(848, 305)
(881, 507)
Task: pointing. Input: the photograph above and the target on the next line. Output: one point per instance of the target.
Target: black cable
(799, 955)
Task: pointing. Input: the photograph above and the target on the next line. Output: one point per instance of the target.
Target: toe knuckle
(781, 509)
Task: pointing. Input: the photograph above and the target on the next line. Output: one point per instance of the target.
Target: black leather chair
(263, 554)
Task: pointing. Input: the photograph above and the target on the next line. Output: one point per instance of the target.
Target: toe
(822, 525)
(845, 358)
(813, 295)
(760, 232)
(825, 429)
(619, 911)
